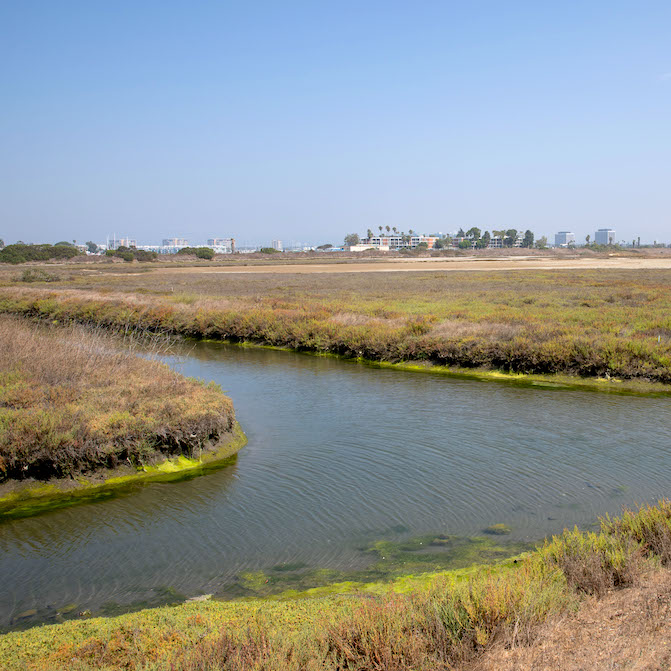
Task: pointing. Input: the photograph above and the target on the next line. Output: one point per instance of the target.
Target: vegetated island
(81, 416)
(581, 600)
(598, 329)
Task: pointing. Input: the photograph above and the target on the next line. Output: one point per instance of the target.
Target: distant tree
(411, 232)
(380, 227)
(422, 245)
(2, 243)
(352, 239)
(464, 244)
(199, 252)
(269, 250)
(329, 246)
(542, 242)
(63, 243)
(387, 228)
(92, 247)
(510, 237)
(369, 233)
(439, 244)
(473, 233)
(460, 233)
(20, 252)
(499, 234)
(528, 241)
(587, 239)
(486, 239)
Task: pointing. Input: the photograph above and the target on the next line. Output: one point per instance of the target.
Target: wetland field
(376, 518)
(611, 324)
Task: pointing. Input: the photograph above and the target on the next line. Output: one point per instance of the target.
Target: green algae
(387, 562)
(546, 382)
(498, 529)
(551, 382)
(36, 498)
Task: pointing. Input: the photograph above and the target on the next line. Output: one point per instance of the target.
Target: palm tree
(388, 229)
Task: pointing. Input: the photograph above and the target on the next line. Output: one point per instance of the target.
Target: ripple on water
(340, 456)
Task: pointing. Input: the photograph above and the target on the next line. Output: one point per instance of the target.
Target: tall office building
(605, 236)
(564, 239)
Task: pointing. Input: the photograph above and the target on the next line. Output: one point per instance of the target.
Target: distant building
(397, 241)
(175, 242)
(277, 244)
(564, 239)
(115, 243)
(222, 245)
(605, 236)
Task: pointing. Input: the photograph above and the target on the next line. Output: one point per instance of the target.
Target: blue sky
(309, 120)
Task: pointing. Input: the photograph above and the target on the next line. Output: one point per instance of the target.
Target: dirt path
(447, 264)
(628, 629)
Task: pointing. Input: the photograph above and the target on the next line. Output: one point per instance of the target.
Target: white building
(277, 244)
(564, 239)
(394, 241)
(605, 236)
(175, 242)
(222, 245)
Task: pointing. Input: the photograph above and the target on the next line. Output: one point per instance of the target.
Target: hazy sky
(309, 120)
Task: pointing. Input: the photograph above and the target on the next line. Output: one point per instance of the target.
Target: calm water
(340, 454)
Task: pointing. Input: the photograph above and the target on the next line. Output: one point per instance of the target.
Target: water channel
(339, 456)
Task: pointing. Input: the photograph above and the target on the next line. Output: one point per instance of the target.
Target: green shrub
(21, 253)
(649, 525)
(130, 254)
(593, 563)
(198, 252)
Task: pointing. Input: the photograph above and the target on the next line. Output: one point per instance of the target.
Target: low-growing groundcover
(73, 401)
(438, 623)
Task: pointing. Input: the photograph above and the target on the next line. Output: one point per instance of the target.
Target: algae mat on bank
(154, 635)
(32, 498)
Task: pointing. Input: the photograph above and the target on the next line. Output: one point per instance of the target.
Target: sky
(306, 121)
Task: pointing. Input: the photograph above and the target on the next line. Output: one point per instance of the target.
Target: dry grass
(75, 400)
(629, 629)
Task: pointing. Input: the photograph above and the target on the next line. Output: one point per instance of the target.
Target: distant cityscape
(227, 245)
(391, 240)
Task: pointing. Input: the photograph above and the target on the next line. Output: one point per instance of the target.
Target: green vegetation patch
(21, 253)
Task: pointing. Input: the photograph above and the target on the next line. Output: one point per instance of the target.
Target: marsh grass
(75, 400)
(610, 324)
